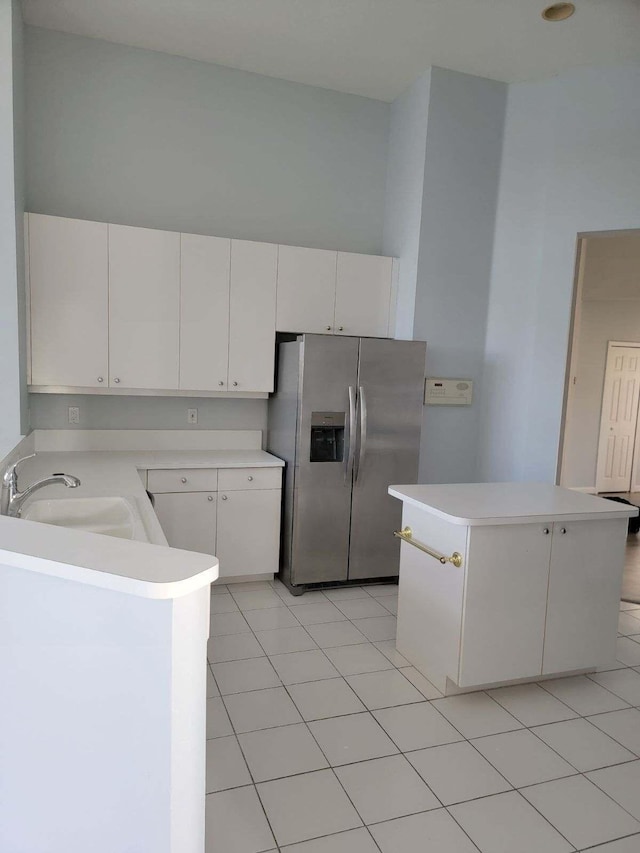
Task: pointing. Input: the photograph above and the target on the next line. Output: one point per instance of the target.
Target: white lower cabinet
(248, 532)
(239, 524)
(584, 594)
(188, 520)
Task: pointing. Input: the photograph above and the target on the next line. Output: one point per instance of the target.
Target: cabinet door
(68, 270)
(188, 520)
(585, 580)
(363, 295)
(248, 532)
(306, 290)
(204, 312)
(252, 316)
(507, 573)
(144, 307)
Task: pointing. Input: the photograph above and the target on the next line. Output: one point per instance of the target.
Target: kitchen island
(507, 582)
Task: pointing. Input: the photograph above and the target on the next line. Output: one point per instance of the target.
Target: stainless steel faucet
(12, 499)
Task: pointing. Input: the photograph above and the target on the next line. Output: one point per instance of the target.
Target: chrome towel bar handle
(406, 534)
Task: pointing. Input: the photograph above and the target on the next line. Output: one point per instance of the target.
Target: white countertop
(151, 570)
(474, 504)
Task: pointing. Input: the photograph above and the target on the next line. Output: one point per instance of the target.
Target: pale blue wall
(11, 385)
(571, 164)
(120, 134)
(462, 167)
(405, 184)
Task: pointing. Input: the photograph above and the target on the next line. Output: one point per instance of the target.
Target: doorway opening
(600, 441)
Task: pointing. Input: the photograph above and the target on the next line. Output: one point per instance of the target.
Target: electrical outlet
(192, 416)
(74, 414)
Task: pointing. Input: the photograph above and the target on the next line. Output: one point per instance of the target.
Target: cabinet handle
(221, 382)
(235, 384)
(328, 328)
(183, 479)
(224, 497)
(249, 478)
(116, 380)
(563, 530)
(341, 328)
(100, 379)
(210, 498)
(545, 531)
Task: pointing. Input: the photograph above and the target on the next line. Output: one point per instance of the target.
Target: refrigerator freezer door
(322, 489)
(391, 386)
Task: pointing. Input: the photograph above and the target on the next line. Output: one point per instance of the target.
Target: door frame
(634, 456)
(572, 339)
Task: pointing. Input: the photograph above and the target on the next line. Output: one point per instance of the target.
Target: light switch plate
(192, 416)
(448, 392)
(74, 414)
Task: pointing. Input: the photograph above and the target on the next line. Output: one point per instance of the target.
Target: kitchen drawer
(234, 479)
(183, 480)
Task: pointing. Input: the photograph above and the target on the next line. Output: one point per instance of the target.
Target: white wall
(609, 311)
(51, 411)
(571, 164)
(404, 194)
(462, 165)
(11, 384)
(120, 134)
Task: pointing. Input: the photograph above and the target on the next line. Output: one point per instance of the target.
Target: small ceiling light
(559, 12)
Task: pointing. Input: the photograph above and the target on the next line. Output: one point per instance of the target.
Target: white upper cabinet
(306, 290)
(252, 316)
(68, 269)
(144, 307)
(363, 295)
(114, 307)
(204, 312)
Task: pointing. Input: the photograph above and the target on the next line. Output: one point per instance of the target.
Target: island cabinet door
(587, 561)
(505, 599)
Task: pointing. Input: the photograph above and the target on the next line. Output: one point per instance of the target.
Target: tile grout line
(395, 667)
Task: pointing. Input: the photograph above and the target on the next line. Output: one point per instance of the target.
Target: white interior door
(618, 420)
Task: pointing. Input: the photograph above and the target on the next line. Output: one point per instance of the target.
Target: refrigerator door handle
(362, 399)
(348, 468)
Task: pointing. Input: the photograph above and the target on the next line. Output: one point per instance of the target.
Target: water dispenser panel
(327, 437)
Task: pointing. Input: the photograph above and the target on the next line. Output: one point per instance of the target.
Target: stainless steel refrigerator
(346, 418)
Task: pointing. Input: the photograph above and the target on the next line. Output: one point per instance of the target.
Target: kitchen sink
(110, 516)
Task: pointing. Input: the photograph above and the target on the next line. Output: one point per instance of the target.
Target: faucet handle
(12, 470)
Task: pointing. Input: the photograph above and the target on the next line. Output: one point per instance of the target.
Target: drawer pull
(250, 479)
(183, 479)
(406, 535)
(224, 497)
(210, 498)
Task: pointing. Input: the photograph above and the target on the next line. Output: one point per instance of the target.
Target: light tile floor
(322, 738)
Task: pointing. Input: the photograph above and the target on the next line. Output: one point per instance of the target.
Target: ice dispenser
(327, 436)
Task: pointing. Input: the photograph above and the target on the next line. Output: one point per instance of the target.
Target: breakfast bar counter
(507, 582)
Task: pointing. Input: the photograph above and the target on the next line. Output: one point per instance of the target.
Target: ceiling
(374, 48)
